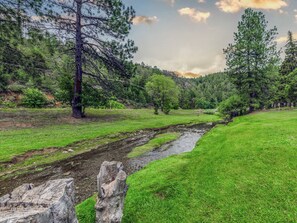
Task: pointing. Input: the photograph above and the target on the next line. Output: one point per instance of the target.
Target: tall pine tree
(252, 57)
(288, 66)
(98, 30)
(290, 62)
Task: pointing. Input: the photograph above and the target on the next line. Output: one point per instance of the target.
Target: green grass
(155, 143)
(30, 164)
(85, 211)
(14, 142)
(243, 172)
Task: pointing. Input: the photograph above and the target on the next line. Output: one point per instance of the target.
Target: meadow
(243, 172)
(23, 130)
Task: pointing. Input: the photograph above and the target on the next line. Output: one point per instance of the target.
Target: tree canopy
(252, 58)
(164, 93)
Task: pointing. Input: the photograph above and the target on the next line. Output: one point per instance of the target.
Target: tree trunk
(77, 109)
(251, 107)
(19, 20)
(156, 108)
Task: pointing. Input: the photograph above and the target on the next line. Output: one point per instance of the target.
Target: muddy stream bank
(84, 168)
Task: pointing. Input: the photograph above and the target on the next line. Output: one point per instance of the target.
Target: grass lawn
(155, 143)
(36, 129)
(85, 211)
(243, 172)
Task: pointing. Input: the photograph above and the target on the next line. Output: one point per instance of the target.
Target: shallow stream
(85, 167)
(186, 143)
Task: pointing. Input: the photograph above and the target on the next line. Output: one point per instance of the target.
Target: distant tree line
(92, 70)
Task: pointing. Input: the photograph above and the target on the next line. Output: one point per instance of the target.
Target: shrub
(112, 104)
(18, 88)
(203, 104)
(209, 112)
(33, 98)
(233, 106)
(8, 104)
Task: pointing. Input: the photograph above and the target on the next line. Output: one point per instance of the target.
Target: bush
(209, 112)
(18, 88)
(203, 104)
(33, 98)
(8, 104)
(112, 104)
(233, 106)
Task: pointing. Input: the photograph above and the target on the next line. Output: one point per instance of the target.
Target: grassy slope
(85, 211)
(156, 142)
(243, 172)
(18, 141)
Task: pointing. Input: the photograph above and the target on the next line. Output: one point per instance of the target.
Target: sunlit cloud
(145, 20)
(194, 14)
(218, 64)
(232, 6)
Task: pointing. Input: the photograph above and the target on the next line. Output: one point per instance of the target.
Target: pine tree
(251, 58)
(15, 14)
(98, 30)
(290, 62)
(288, 66)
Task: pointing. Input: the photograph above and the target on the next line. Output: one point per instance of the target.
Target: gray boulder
(112, 188)
(52, 202)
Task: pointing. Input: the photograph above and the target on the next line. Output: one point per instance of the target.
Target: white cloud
(194, 14)
(232, 6)
(218, 64)
(145, 20)
(181, 64)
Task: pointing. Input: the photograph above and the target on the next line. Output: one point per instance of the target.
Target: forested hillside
(41, 61)
(49, 59)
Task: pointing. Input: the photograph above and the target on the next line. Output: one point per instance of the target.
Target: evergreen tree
(99, 30)
(15, 14)
(291, 86)
(290, 62)
(251, 58)
(288, 66)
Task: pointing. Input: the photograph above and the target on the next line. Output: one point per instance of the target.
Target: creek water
(185, 143)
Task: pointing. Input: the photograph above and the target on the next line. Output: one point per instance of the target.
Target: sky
(190, 35)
